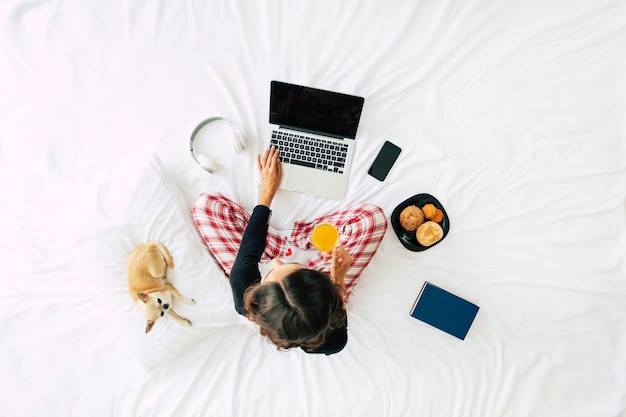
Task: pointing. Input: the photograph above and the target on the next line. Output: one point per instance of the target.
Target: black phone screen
(384, 161)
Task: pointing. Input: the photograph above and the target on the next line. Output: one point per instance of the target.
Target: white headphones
(238, 140)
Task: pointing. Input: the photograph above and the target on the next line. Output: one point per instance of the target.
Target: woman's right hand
(340, 263)
(271, 174)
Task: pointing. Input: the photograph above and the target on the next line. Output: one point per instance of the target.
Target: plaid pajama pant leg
(361, 230)
(222, 222)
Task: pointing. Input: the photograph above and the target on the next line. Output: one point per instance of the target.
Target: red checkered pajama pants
(222, 222)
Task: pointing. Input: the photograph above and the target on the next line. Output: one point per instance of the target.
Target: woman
(295, 304)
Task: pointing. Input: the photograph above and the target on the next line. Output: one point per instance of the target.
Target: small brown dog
(146, 270)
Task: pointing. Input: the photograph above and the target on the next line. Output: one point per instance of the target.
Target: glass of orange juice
(324, 237)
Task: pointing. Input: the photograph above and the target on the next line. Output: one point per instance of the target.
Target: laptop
(315, 132)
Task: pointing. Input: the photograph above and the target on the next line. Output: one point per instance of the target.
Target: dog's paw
(190, 301)
(186, 323)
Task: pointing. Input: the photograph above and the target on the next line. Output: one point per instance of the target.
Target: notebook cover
(444, 310)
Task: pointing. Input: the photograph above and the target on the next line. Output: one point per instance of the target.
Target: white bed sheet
(512, 114)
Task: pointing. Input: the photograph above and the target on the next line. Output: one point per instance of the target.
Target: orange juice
(324, 237)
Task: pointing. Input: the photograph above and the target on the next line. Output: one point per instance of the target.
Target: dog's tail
(166, 254)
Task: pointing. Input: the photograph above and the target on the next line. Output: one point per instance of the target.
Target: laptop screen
(313, 110)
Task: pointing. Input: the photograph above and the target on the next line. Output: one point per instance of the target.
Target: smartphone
(384, 161)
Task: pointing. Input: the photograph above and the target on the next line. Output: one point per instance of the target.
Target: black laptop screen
(313, 110)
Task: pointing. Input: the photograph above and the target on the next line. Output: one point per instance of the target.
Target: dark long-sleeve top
(245, 272)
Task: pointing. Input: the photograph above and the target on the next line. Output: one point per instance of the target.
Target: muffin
(411, 218)
(429, 233)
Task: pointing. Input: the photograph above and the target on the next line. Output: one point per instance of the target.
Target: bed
(512, 114)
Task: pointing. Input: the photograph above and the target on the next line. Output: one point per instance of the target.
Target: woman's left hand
(271, 172)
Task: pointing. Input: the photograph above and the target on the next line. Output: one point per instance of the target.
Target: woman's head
(295, 306)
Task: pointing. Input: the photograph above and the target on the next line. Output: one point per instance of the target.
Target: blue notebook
(444, 310)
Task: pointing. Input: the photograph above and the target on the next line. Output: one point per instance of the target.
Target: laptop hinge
(312, 132)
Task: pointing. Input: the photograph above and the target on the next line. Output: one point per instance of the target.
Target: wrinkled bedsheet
(512, 114)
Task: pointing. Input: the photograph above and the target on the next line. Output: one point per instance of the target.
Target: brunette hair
(297, 311)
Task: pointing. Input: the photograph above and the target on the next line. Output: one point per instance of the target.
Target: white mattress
(512, 114)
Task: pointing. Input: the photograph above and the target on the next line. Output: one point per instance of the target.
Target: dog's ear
(143, 297)
(149, 325)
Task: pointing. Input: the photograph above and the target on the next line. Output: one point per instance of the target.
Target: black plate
(406, 237)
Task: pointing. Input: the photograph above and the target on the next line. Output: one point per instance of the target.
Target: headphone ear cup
(207, 163)
(239, 141)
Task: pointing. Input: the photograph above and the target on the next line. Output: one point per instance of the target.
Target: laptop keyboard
(310, 152)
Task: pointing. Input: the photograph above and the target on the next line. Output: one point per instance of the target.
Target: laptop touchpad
(301, 179)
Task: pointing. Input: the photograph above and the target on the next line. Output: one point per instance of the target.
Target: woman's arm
(245, 271)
